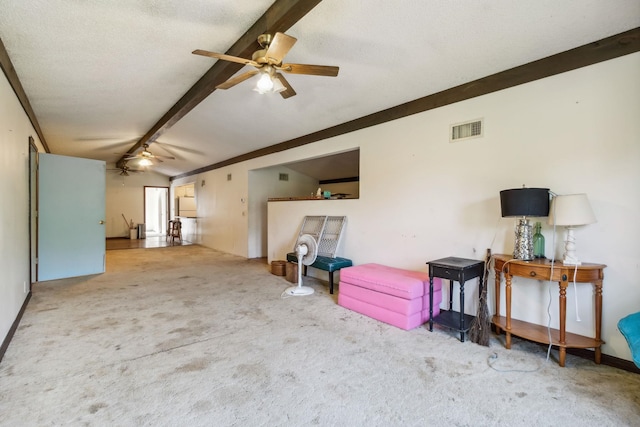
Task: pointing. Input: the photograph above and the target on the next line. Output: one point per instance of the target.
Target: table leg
(331, 282)
(450, 295)
(598, 351)
(498, 274)
(563, 321)
(431, 302)
(461, 311)
(507, 280)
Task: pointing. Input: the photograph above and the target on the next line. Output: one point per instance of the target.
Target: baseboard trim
(616, 362)
(585, 353)
(14, 327)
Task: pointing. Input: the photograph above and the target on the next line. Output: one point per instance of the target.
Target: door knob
(101, 221)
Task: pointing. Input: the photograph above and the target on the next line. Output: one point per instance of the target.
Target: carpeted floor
(190, 336)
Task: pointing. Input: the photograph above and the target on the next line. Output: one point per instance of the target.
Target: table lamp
(523, 203)
(571, 210)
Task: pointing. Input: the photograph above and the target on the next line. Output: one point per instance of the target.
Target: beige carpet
(190, 336)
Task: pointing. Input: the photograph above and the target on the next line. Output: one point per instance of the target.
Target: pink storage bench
(392, 295)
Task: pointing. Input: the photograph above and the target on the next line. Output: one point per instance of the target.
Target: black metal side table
(459, 270)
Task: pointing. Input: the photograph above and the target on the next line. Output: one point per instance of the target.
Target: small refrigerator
(186, 206)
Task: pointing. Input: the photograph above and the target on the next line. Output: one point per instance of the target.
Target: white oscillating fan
(306, 251)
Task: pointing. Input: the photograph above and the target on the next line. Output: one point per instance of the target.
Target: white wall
(227, 208)
(15, 129)
(222, 220)
(125, 196)
(423, 198)
(265, 184)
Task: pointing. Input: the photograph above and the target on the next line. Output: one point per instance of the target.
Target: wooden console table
(563, 274)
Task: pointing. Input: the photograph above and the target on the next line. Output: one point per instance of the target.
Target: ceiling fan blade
(279, 47)
(165, 146)
(125, 171)
(235, 80)
(314, 70)
(164, 157)
(288, 92)
(225, 57)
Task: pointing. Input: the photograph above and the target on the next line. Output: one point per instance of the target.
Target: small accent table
(459, 270)
(563, 274)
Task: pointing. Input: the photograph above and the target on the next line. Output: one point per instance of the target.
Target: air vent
(284, 177)
(466, 130)
(228, 177)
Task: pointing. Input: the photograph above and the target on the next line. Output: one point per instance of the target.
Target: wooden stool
(174, 230)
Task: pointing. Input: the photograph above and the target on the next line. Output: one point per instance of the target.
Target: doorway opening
(156, 211)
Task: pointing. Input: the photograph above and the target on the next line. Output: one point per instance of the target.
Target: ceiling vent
(284, 177)
(467, 130)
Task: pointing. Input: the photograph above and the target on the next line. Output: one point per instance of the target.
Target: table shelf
(451, 319)
(539, 333)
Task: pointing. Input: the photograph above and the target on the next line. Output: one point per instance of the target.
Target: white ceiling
(99, 74)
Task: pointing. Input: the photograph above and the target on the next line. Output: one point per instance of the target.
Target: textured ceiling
(100, 74)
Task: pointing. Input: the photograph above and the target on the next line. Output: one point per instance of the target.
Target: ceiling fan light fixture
(277, 85)
(265, 83)
(267, 60)
(145, 162)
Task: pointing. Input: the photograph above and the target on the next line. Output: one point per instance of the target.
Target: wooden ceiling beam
(592, 53)
(281, 16)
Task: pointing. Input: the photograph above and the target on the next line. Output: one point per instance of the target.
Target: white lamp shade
(571, 209)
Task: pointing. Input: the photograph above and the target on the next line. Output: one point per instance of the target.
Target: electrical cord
(549, 318)
(491, 360)
(553, 260)
(550, 282)
(284, 295)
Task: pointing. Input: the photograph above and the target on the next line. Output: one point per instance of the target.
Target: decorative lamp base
(523, 249)
(570, 257)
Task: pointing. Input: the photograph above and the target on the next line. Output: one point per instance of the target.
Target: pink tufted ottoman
(391, 295)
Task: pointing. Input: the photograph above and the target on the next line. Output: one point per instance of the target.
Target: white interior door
(71, 231)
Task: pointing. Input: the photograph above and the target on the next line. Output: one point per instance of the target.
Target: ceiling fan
(125, 170)
(147, 158)
(268, 62)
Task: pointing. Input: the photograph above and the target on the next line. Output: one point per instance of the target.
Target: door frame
(33, 212)
(144, 201)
